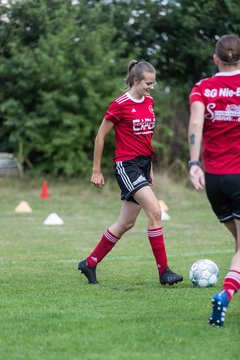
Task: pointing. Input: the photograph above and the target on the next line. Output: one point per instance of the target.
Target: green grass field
(49, 312)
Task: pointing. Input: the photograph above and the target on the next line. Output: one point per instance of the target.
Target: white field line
(204, 254)
(132, 257)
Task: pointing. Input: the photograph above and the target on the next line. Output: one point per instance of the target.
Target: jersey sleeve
(113, 113)
(196, 94)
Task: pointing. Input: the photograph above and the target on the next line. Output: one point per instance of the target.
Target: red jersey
(220, 95)
(134, 122)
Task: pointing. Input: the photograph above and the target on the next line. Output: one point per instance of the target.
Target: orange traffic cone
(44, 193)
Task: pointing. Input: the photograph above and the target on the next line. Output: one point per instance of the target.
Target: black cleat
(89, 272)
(169, 278)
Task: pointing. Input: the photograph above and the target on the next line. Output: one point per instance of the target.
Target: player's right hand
(197, 177)
(98, 180)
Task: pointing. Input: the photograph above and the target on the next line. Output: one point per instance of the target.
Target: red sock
(106, 244)
(156, 239)
(231, 283)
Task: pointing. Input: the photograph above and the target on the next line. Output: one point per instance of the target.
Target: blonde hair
(228, 49)
(136, 70)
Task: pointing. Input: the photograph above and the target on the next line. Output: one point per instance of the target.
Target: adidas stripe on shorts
(132, 175)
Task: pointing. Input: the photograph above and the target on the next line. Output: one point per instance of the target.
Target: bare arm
(104, 129)
(195, 130)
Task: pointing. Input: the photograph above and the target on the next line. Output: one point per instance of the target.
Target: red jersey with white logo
(220, 95)
(134, 122)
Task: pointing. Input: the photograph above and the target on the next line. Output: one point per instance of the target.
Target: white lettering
(231, 113)
(210, 93)
(225, 92)
(210, 114)
(143, 126)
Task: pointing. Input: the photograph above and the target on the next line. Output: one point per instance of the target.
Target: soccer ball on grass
(204, 273)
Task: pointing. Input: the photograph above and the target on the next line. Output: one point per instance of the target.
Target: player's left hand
(151, 179)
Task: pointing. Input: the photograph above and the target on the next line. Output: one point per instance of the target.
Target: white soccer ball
(204, 273)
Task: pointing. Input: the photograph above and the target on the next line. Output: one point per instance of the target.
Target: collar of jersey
(135, 100)
(228, 73)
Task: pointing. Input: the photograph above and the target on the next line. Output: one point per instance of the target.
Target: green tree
(178, 37)
(58, 73)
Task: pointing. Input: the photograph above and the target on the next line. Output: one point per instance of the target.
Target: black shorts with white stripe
(132, 175)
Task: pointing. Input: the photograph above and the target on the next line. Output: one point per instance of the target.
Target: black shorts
(223, 192)
(132, 175)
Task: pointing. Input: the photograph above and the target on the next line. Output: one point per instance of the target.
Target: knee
(155, 215)
(128, 225)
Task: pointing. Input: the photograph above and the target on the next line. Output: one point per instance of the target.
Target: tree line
(62, 62)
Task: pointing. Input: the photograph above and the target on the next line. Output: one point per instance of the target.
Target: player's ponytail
(136, 70)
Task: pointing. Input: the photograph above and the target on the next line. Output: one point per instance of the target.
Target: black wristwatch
(191, 163)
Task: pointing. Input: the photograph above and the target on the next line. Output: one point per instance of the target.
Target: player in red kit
(214, 127)
(131, 116)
